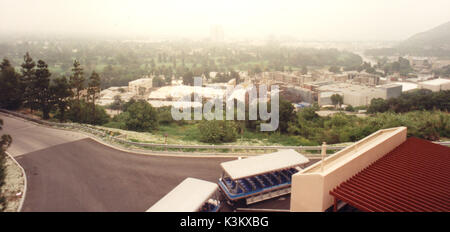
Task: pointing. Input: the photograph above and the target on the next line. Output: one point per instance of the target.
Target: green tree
(337, 100)
(165, 115)
(304, 70)
(158, 81)
(235, 75)
(62, 94)
(42, 87)
(128, 104)
(287, 115)
(117, 103)
(188, 78)
(11, 88)
(142, 117)
(377, 105)
(77, 79)
(93, 89)
(29, 79)
(335, 69)
(350, 108)
(81, 112)
(168, 78)
(218, 131)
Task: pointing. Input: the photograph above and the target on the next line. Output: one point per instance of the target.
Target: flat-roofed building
(392, 90)
(175, 104)
(285, 78)
(140, 86)
(316, 85)
(178, 92)
(436, 85)
(355, 95)
(107, 96)
(407, 86)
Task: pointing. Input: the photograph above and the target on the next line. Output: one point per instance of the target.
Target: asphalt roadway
(68, 171)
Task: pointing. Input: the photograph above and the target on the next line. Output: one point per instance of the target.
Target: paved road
(28, 137)
(67, 171)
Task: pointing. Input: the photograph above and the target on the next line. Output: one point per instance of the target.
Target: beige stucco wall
(311, 187)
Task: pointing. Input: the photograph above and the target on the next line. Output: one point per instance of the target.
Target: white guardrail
(190, 148)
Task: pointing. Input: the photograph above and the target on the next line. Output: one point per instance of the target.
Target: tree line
(421, 99)
(119, 62)
(32, 87)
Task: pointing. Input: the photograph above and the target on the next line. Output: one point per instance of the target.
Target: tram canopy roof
(283, 159)
(188, 196)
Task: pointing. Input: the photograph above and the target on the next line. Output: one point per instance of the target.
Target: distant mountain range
(438, 37)
(434, 42)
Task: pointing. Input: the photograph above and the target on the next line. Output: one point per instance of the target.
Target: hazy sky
(312, 19)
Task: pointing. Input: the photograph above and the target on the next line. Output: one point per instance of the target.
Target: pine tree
(29, 80)
(61, 92)
(11, 88)
(5, 64)
(42, 87)
(93, 90)
(94, 87)
(188, 78)
(77, 79)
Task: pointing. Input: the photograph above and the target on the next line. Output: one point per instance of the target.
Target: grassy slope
(189, 134)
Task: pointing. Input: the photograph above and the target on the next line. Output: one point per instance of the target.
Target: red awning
(414, 177)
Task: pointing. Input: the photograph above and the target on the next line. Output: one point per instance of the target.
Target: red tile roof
(415, 177)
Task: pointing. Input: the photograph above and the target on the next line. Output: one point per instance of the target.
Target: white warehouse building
(436, 85)
(357, 95)
(142, 84)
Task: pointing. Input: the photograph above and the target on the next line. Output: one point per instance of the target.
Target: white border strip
(24, 175)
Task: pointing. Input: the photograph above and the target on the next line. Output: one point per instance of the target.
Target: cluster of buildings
(175, 95)
(356, 88)
(135, 89)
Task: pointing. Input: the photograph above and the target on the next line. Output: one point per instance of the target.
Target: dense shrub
(165, 115)
(83, 112)
(305, 127)
(141, 117)
(218, 131)
(431, 125)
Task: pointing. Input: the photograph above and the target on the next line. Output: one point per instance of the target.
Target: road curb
(132, 151)
(103, 135)
(24, 176)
